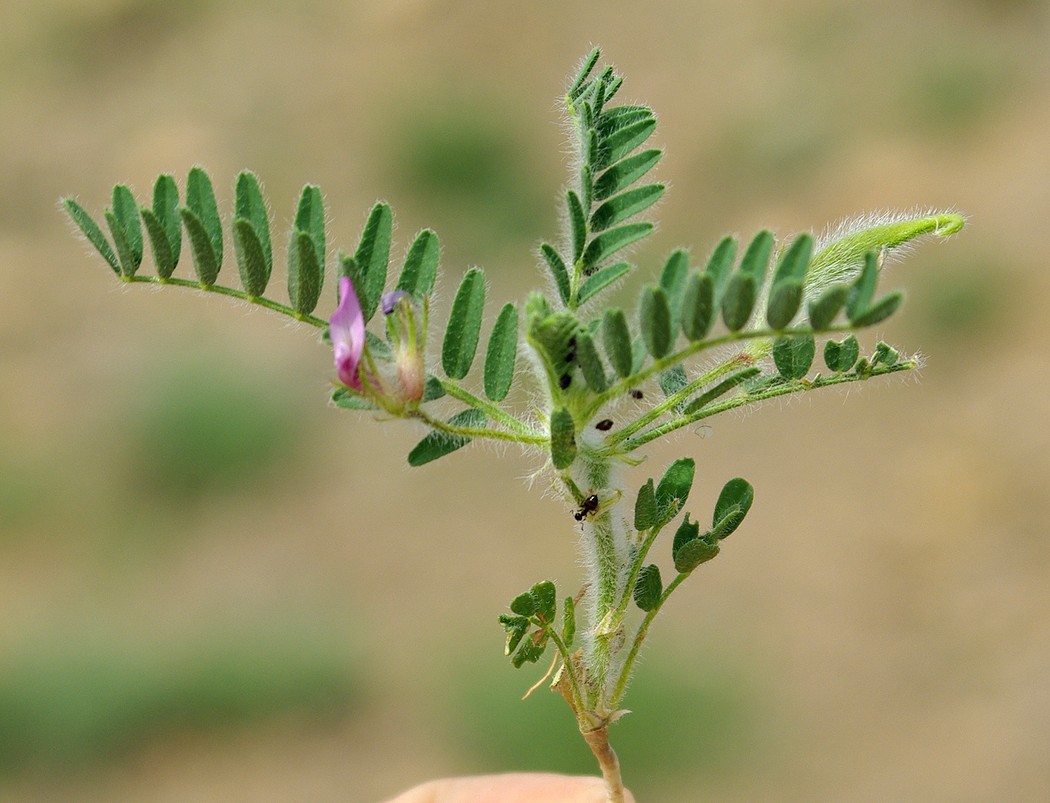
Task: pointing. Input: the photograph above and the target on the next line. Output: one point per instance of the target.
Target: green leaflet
(692, 553)
(306, 252)
(784, 300)
(125, 256)
(616, 338)
(840, 356)
(501, 354)
(793, 355)
(625, 205)
(884, 354)
(200, 200)
(720, 263)
(624, 173)
(823, 311)
(623, 140)
(673, 488)
(166, 212)
(721, 389)
(531, 649)
(206, 262)
(126, 212)
(464, 325)
(609, 242)
(672, 279)
(577, 224)
(421, 263)
(92, 231)
(863, 289)
(438, 444)
(305, 272)
(795, 259)
(732, 506)
(880, 310)
(785, 296)
(545, 599)
(698, 305)
(372, 259)
(558, 270)
(654, 318)
(568, 622)
(601, 279)
(686, 532)
(250, 206)
(738, 301)
(645, 513)
(756, 258)
(673, 380)
(251, 258)
(516, 627)
(577, 87)
(648, 587)
(309, 218)
(563, 438)
(590, 363)
(158, 239)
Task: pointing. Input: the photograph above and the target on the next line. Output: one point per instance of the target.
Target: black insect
(604, 425)
(636, 394)
(589, 506)
(564, 381)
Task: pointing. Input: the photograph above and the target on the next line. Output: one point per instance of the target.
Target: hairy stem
(598, 741)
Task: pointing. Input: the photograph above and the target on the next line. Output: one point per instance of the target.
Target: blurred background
(213, 586)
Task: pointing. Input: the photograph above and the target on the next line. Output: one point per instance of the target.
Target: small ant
(589, 506)
(604, 425)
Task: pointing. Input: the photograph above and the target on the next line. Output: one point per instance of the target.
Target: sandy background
(215, 587)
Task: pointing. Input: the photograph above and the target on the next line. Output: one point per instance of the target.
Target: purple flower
(347, 330)
(389, 301)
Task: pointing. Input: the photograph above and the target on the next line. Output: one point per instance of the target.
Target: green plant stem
(763, 394)
(456, 391)
(636, 568)
(270, 304)
(658, 366)
(566, 658)
(643, 631)
(476, 432)
(676, 398)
